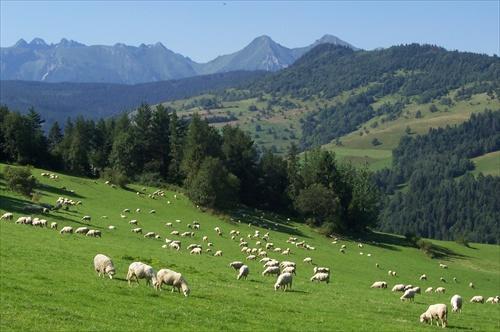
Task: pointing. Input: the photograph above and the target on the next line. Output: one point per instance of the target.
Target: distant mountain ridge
(71, 61)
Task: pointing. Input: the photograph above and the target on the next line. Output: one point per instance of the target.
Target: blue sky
(203, 30)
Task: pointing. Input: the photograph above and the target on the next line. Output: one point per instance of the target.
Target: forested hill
(58, 101)
(442, 200)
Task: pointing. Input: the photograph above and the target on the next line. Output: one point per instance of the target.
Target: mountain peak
(69, 43)
(21, 43)
(38, 42)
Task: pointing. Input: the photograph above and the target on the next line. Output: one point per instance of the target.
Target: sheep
(86, 218)
(111, 227)
(236, 265)
(149, 234)
(360, 245)
(442, 279)
(7, 216)
(317, 269)
(53, 225)
(389, 273)
(393, 273)
(174, 233)
(423, 277)
(416, 290)
(218, 253)
(398, 288)
(443, 266)
(103, 265)
(269, 245)
(66, 229)
(172, 278)
(210, 244)
(456, 303)
(455, 279)
(137, 230)
(437, 312)
(408, 287)
(342, 250)
(287, 263)
(262, 254)
(81, 230)
(271, 270)
(137, 210)
(175, 245)
(409, 294)
(24, 220)
(471, 285)
(441, 290)
(379, 284)
(193, 245)
(251, 257)
(139, 270)
(321, 276)
(284, 281)
(307, 260)
(377, 265)
(126, 211)
(133, 222)
(168, 224)
(429, 290)
(265, 260)
(272, 263)
(286, 251)
(205, 238)
(289, 269)
(195, 251)
(94, 233)
(477, 299)
(152, 211)
(243, 272)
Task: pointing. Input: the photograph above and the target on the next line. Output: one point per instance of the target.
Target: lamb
(477, 299)
(218, 253)
(440, 290)
(317, 269)
(137, 230)
(398, 288)
(236, 265)
(423, 277)
(409, 294)
(429, 290)
(437, 312)
(243, 273)
(289, 269)
(284, 281)
(103, 265)
(321, 276)
(379, 284)
(172, 278)
(66, 229)
(81, 230)
(195, 251)
(308, 260)
(94, 233)
(139, 270)
(456, 303)
(271, 270)
(86, 218)
(53, 225)
(7, 216)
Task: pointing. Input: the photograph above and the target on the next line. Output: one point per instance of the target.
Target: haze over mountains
(71, 61)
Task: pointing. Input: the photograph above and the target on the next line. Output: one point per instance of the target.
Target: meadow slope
(47, 282)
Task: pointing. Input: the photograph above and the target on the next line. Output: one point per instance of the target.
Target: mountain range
(71, 61)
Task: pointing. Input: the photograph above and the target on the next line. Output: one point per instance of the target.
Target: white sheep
(126, 211)
(236, 265)
(443, 266)
(66, 229)
(168, 224)
(409, 294)
(398, 288)
(423, 277)
(289, 269)
(317, 269)
(271, 270)
(321, 276)
(416, 290)
(243, 273)
(174, 279)
(149, 234)
(81, 230)
(272, 263)
(94, 233)
(133, 222)
(441, 290)
(286, 251)
(437, 312)
(471, 285)
(53, 225)
(477, 299)
(251, 257)
(175, 245)
(379, 284)
(139, 270)
(195, 251)
(307, 260)
(111, 227)
(137, 230)
(103, 265)
(456, 303)
(218, 253)
(284, 281)
(7, 216)
(429, 290)
(86, 218)
(287, 263)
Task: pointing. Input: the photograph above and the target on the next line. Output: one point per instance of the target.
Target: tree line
(216, 168)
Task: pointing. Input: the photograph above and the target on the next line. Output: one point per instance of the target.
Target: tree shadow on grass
(296, 291)
(58, 191)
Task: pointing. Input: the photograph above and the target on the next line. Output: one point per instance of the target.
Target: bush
(426, 246)
(19, 179)
(151, 179)
(462, 240)
(376, 142)
(115, 177)
(412, 238)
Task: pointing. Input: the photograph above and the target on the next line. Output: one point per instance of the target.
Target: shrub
(426, 247)
(116, 177)
(412, 238)
(151, 179)
(462, 240)
(19, 179)
(376, 142)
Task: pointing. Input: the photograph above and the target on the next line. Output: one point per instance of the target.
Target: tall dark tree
(175, 148)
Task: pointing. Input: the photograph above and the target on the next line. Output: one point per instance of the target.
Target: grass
(47, 282)
(488, 164)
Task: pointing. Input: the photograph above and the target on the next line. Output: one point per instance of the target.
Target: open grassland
(47, 282)
(488, 164)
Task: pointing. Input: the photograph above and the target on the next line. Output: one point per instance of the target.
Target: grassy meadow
(47, 281)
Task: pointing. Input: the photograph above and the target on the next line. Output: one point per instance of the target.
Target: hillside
(54, 285)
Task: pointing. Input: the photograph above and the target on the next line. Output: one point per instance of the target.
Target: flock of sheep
(284, 271)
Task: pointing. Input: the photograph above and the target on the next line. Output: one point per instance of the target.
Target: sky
(204, 30)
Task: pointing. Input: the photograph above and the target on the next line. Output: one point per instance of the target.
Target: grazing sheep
(416, 290)
(137, 210)
(168, 224)
(393, 273)
(409, 294)
(477, 299)
(174, 279)
(195, 251)
(152, 211)
(218, 253)
(251, 257)
(471, 285)
(442, 279)
(284, 281)
(139, 270)
(236, 265)
(24, 220)
(423, 277)
(286, 251)
(443, 266)
(7, 216)
(408, 287)
(94, 233)
(126, 211)
(343, 246)
(455, 279)
(379, 284)
(265, 260)
(377, 265)
(398, 288)
(342, 250)
(243, 273)
(192, 245)
(137, 230)
(111, 227)
(441, 290)
(81, 230)
(389, 273)
(272, 263)
(456, 303)
(317, 269)
(149, 234)
(321, 276)
(133, 222)
(271, 270)
(289, 269)
(103, 265)
(429, 290)
(205, 238)
(308, 260)
(66, 229)
(437, 312)
(175, 245)
(174, 233)
(86, 218)
(53, 225)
